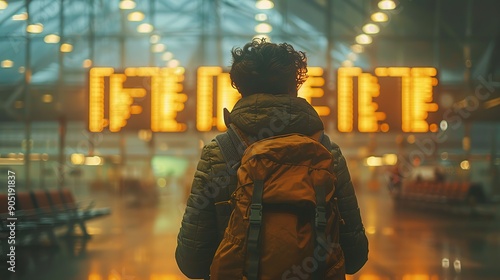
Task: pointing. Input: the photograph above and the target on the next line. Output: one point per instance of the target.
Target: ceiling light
(35, 28)
(127, 4)
(95, 160)
(352, 56)
(158, 48)
(66, 48)
(363, 39)
(173, 63)
(52, 39)
(371, 28)
(87, 63)
(264, 4)
(21, 69)
(379, 17)
(135, 16)
(465, 165)
(47, 98)
(443, 125)
(167, 56)
(7, 63)
(145, 28)
(386, 5)
(260, 17)
(3, 5)
(77, 159)
(154, 39)
(21, 16)
(263, 28)
(356, 48)
(347, 63)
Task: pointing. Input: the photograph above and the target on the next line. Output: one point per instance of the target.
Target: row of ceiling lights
(37, 28)
(369, 30)
(135, 16)
(146, 28)
(263, 28)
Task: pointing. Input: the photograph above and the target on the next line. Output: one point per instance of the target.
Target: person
(395, 180)
(268, 77)
(439, 175)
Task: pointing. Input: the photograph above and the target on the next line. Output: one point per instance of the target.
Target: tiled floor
(137, 242)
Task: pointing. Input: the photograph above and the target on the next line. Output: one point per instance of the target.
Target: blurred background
(105, 106)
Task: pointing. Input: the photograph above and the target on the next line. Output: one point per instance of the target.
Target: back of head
(263, 67)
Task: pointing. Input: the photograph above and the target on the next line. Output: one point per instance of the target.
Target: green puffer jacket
(207, 212)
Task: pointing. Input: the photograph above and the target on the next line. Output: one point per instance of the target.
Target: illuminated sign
(412, 101)
(210, 78)
(393, 98)
(227, 96)
(165, 99)
(312, 88)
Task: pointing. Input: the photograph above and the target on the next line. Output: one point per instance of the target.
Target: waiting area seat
(441, 192)
(42, 212)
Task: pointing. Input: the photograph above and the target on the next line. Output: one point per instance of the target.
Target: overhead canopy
(463, 44)
(202, 32)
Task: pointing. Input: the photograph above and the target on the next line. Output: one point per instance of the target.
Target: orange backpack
(285, 221)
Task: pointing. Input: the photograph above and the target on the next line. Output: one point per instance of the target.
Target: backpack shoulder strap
(320, 223)
(232, 148)
(321, 217)
(253, 248)
(325, 141)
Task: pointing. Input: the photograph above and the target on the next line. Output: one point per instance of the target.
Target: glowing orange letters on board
(416, 100)
(214, 93)
(227, 96)
(210, 77)
(167, 98)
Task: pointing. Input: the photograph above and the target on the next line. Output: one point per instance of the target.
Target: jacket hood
(265, 115)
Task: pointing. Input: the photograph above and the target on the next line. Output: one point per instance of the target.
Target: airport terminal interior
(105, 106)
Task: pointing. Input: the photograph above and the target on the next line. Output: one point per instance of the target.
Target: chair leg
(52, 238)
(83, 228)
(71, 229)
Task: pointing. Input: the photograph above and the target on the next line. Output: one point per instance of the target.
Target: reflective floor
(137, 242)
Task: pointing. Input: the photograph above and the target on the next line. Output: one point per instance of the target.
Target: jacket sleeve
(196, 242)
(353, 240)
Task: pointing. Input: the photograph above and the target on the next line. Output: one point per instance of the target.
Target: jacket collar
(265, 115)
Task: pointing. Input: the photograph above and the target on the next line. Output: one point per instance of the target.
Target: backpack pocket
(223, 210)
(229, 260)
(337, 271)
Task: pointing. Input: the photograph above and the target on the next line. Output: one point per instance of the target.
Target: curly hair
(264, 67)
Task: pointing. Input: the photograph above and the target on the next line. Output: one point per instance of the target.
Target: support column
(27, 104)
(60, 97)
(468, 83)
(152, 60)
(123, 143)
(437, 34)
(329, 73)
(437, 52)
(91, 47)
(218, 26)
(62, 143)
(151, 142)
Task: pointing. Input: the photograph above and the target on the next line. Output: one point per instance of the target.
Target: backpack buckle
(320, 219)
(255, 213)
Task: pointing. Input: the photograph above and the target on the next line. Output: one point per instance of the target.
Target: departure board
(393, 98)
(389, 99)
(137, 98)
